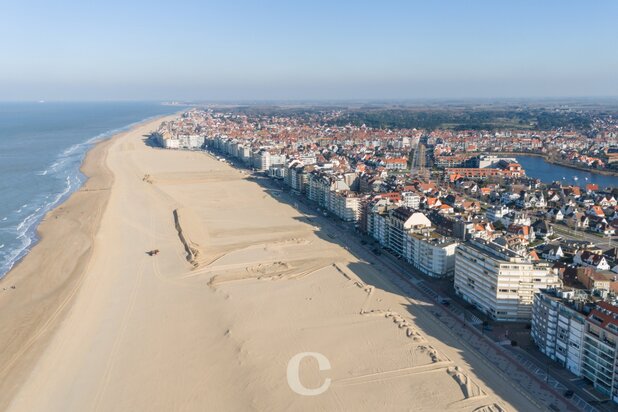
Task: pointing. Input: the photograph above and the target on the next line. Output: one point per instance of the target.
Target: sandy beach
(243, 282)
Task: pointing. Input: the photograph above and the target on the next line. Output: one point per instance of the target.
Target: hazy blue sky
(307, 49)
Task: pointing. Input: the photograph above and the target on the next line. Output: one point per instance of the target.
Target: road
(418, 159)
(569, 233)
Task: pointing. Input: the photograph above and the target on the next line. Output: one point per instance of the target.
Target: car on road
(568, 393)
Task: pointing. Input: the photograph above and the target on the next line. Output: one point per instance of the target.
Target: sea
(42, 146)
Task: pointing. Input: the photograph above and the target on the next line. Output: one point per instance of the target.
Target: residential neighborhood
(514, 249)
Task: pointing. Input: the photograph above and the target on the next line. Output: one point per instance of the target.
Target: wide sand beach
(243, 282)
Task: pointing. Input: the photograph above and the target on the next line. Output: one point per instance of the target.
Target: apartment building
(485, 161)
(499, 281)
(600, 358)
(380, 228)
(411, 200)
(345, 205)
(318, 188)
(296, 177)
(399, 222)
(261, 160)
(375, 211)
(399, 163)
(579, 334)
(430, 253)
(558, 326)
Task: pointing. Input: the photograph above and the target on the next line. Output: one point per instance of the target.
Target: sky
(307, 50)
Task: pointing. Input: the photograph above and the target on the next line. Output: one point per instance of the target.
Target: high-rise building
(499, 281)
(558, 326)
(581, 337)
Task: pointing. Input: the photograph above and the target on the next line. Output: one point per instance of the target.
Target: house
(587, 258)
(485, 191)
(568, 209)
(552, 252)
(516, 218)
(471, 206)
(495, 213)
(529, 201)
(508, 198)
(542, 229)
(555, 214)
(524, 232)
(577, 220)
(607, 201)
(600, 225)
(595, 211)
(432, 203)
(446, 209)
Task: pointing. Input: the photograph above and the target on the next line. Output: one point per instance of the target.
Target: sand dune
(242, 284)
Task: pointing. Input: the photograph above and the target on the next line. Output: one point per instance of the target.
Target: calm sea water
(538, 168)
(42, 146)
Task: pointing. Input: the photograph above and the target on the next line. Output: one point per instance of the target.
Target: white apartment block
(171, 143)
(558, 328)
(499, 281)
(261, 160)
(380, 230)
(399, 222)
(411, 200)
(345, 205)
(587, 345)
(432, 254)
(600, 360)
(193, 141)
(318, 188)
(373, 214)
(277, 172)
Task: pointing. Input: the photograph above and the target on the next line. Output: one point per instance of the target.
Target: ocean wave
(25, 230)
(66, 166)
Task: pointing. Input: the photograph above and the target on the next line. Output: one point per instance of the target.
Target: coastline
(267, 281)
(558, 162)
(46, 279)
(583, 169)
